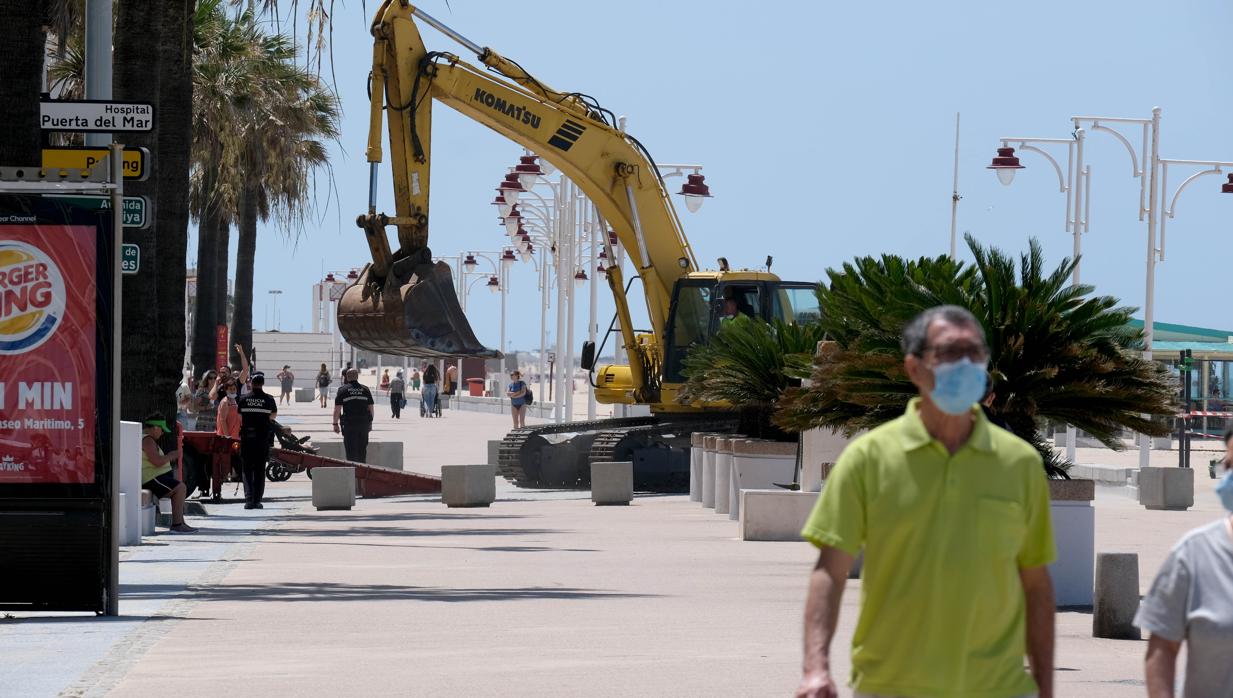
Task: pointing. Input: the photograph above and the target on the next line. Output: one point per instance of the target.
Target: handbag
(402, 403)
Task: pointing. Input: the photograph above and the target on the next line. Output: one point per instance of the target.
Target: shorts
(161, 485)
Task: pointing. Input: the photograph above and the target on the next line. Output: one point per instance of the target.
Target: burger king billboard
(48, 351)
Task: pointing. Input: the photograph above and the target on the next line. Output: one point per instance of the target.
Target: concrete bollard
(494, 452)
(333, 488)
(1166, 488)
(723, 475)
(468, 485)
(696, 455)
(708, 470)
(612, 483)
(1117, 596)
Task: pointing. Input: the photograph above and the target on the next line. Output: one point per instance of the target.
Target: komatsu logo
(507, 108)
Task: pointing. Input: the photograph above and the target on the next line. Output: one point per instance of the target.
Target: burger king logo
(31, 297)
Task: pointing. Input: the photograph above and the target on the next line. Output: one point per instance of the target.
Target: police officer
(257, 408)
(353, 409)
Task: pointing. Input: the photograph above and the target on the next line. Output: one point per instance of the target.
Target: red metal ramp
(370, 480)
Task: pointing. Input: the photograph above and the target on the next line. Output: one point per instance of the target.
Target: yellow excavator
(405, 304)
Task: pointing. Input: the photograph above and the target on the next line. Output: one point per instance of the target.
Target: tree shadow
(93, 618)
(297, 592)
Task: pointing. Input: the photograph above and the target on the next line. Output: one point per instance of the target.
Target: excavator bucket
(419, 318)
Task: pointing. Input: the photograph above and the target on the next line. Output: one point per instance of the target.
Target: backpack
(529, 397)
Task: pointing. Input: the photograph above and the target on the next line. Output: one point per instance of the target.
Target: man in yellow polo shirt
(952, 514)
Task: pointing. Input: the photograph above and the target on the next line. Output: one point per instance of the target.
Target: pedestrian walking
(323, 384)
(385, 381)
(353, 412)
(286, 382)
(398, 389)
(1191, 602)
(415, 379)
(518, 393)
(156, 474)
(257, 409)
(428, 396)
(952, 517)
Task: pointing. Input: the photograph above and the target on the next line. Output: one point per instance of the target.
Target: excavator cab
(701, 304)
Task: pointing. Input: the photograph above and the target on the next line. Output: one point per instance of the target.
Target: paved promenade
(542, 594)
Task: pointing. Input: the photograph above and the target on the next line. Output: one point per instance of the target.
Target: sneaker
(182, 528)
(258, 505)
(249, 505)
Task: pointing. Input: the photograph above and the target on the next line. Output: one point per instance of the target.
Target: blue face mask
(1224, 490)
(957, 385)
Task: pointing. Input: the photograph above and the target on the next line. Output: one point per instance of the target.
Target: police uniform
(356, 419)
(256, 410)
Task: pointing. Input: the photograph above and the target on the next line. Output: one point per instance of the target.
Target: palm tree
(747, 365)
(257, 121)
(282, 155)
(1057, 352)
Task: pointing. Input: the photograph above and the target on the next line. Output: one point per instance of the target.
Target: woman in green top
(156, 474)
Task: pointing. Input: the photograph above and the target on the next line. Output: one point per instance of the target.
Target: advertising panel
(47, 353)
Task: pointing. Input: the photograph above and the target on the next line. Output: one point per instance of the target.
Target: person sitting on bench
(156, 474)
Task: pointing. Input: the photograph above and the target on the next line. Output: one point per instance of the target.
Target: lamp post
(568, 226)
(1152, 172)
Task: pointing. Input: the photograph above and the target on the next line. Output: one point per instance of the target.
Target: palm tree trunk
(205, 315)
(245, 256)
(21, 54)
(175, 51)
(134, 81)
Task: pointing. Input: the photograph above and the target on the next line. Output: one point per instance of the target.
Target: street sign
(130, 258)
(84, 158)
(95, 115)
(135, 207)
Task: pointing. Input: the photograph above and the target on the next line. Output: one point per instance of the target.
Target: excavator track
(520, 459)
(557, 455)
(656, 448)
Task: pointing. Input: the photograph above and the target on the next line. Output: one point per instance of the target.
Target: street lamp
(580, 278)
(528, 252)
(512, 220)
(510, 188)
(469, 262)
(1004, 164)
(528, 170)
(494, 284)
(695, 192)
(503, 208)
(274, 294)
(507, 258)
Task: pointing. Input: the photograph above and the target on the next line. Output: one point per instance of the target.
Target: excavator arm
(402, 302)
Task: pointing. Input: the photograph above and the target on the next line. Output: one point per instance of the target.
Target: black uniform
(256, 410)
(356, 419)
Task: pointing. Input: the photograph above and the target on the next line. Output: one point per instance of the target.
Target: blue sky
(827, 132)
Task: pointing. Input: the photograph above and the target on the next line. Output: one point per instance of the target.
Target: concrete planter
(305, 394)
(723, 474)
(820, 448)
(1166, 488)
(774, 515)
(708, 470)
(759, 465)
(1074, 535)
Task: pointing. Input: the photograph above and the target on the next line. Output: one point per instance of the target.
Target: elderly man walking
(952, 514)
